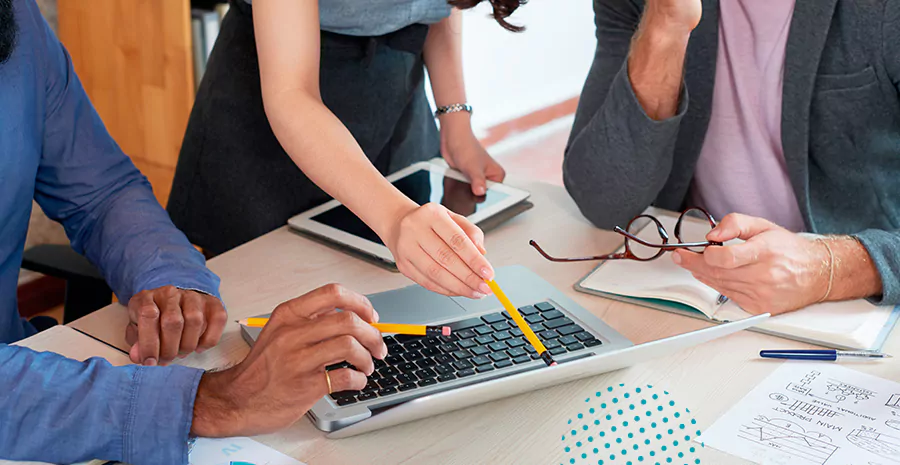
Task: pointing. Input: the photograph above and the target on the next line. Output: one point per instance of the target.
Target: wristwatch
(456, 107)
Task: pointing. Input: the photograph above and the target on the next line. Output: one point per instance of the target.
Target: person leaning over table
(786, 112)
(336, 88)
(54, 148)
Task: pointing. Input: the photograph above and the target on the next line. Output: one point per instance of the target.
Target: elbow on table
(601, 204)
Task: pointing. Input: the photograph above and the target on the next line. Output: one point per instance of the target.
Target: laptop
(486, 357)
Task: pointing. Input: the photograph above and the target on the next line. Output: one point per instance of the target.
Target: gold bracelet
(831, 270)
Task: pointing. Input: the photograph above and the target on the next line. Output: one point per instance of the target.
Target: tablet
(422, 182)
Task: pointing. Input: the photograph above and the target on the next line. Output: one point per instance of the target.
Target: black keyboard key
(504, 363)
(516, 332)
(389, 371)
(530, 349)
(371, 386)
(467, 343)
(552, 314)
(481, 360)
(346, 401)
(535, 318)
(517, 352)
(367, 396)
(557, 323)
(337, 366)
(342, 394)
(574, 347)
(544, 306)
(548, 334)
(444, 359)
(516, 342)
(482, 330)
(379, 364)
(458, 326)
(552, 344)
(462, 354)
(449, 347)
(462, 364)
(407, 387)
(450, 338)
(592, 343)
(446, 377)
(431, 342)
(584, 336)
(426, 363)
(442, 370)
(412, 356)
(484, 340)
(393, 359)
(537, 327)
(407, 338)
(569, 330)
(502, 335)
(466, 334)
(506, 315)
(501, 326)
(484, 368)
(432, 352)
(426, 373)
(388, 382)
(408, 367)
(497, 356)
(567, 340)
(427, 382)
(493, 318)
(535, 356)
(387, 391)
(480, 350)
(390, 341)
(522, 359)
(558, 351)
(405, 378)
(414, 345)
(466, 372)
(528, 310)
(497, 346)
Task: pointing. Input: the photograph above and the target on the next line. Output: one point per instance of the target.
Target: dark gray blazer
(840, 124)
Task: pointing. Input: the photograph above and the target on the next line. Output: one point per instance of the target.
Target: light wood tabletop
(524, 429)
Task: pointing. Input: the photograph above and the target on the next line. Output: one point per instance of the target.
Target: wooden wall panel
(134, 58)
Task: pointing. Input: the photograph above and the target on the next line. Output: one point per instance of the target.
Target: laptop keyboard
(476, 345)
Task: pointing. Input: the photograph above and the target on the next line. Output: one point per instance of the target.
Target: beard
(8, 30)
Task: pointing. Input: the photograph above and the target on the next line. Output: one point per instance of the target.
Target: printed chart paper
(813, 414)
(237, 451)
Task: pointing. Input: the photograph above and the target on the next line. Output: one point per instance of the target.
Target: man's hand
(777, 271)
(168, 322)
(284, 374)
(462, 151)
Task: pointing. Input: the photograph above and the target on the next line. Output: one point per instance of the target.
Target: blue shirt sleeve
(107, 206)
(58, 410)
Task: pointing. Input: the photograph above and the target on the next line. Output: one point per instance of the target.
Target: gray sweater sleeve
(618, 159)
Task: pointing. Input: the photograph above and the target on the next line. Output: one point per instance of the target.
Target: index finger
(327, 299)
(463, 245)
(147, 314)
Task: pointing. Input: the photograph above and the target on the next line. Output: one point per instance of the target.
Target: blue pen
(828, 355)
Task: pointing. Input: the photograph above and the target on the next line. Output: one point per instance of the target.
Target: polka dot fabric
(621, 425)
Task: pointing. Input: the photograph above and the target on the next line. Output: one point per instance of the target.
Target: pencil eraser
(445, 330)
(553, 364)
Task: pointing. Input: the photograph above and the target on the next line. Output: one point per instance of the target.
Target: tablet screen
(422, 187)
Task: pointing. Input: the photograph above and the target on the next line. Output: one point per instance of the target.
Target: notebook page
(658, 279)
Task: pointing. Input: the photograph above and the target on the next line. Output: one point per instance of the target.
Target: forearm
(656, 65)
(443, 59)
(59, 410)
(855, 274)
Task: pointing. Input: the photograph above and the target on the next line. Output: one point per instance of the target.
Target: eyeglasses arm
(612, 256)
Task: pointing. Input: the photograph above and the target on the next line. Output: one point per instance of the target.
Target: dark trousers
(234, 181)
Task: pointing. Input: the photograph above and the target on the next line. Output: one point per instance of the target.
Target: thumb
(474, 232)
(738, 226)
(479, 182)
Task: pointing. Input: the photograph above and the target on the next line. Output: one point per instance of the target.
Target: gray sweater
(840, 124)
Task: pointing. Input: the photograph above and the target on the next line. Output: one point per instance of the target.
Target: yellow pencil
(523, 325)
(392, 328)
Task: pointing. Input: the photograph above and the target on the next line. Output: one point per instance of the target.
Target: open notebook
(663, 285)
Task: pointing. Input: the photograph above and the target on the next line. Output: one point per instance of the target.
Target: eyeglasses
(641, 249)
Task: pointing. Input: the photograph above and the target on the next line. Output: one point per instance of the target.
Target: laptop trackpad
(415, 305)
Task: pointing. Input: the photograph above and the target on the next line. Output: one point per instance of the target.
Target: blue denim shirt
(55, 149)
(377, 17)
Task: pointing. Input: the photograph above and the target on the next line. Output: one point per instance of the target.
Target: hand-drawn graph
(834, 390)
(893, 402)
(895, 424)
(805, 407)
(871, 440)
(789, 438)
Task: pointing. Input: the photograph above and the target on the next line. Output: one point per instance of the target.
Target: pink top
(741, 167)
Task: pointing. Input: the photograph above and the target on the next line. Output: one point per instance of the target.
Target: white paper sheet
(808, 413)
(237, 451)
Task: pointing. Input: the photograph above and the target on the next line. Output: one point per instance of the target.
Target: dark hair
(8, 30)
(502, 10)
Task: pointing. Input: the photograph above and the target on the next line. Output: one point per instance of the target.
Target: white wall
(509, 75)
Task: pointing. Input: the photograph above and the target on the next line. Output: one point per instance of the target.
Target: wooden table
(523, 429)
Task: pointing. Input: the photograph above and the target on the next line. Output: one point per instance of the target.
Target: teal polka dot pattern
(663, 432)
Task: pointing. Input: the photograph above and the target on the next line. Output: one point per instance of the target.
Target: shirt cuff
(160, 416)
(884, 249)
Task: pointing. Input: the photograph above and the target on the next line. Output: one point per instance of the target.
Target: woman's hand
(462, 151)
(441, 251)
